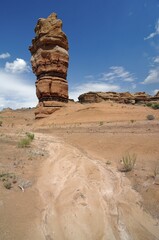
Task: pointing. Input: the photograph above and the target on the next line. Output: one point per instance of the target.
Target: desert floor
(68, 183)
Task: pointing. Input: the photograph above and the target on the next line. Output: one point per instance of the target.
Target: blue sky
(113, 46)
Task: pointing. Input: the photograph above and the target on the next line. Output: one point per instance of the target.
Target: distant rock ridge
(49, 61)
(125, 97)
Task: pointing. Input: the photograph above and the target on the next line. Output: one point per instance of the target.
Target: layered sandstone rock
(49, 61)
(91, 97)
(126, 97)
(141, 97)
(156, 97)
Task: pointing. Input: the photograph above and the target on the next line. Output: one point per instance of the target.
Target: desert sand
(73, 186)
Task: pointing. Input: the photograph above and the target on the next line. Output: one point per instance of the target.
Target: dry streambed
(83, 198)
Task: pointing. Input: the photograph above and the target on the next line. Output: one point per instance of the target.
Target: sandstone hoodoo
(49, 61)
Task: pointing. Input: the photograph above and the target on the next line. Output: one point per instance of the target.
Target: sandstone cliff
(126, 97)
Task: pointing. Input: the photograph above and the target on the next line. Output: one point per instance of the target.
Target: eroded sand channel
(85, 199)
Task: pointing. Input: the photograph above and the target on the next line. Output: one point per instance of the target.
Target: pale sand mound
(95, 112)
(84, 199)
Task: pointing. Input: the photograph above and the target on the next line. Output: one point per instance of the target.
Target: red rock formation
(126, 97)
(49, 61)
(91, 97)
(141, 97)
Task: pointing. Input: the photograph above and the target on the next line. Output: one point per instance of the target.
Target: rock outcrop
(49, 61)
(156, 97)
(126, 97)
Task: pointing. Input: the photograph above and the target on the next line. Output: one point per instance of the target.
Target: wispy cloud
(17, 66)
(92, 87)
(153, 74)
(155, 33)
(89, 77)
(111, 80)
(156, 59)
(4, 55)
(117, 73)
(133, 86)
(16, 91)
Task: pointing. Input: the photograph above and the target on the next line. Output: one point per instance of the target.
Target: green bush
(128, 162)
(149, 104)
(155, 106)
(24, 142)
(1, 123)
(30, 135)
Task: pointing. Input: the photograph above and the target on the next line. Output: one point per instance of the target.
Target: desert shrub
(150, 117)
(7, 185)
(155, 106)
(100, 123)
(156, 171)
(30, 135)
(149, 104)
(5, 175)
(24, 142)
(128, 162)
(132, 121)
(1, 123)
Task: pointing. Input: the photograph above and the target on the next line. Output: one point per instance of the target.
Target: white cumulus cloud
(112, 80)
(15, 91)
(4, 55)
(17, 66)
(91, 87)
(155, 33)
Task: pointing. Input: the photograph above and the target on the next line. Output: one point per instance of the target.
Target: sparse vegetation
(8, 179)
(7, 185)
(132, 121)
(25, 142)
(150, 117)
(149, 104)
(108, 162)
(100, 123)
(153, 105)
(156, 171)
(1, 123)
(30, 135)
(128, 162)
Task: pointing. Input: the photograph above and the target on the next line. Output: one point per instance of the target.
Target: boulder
(90, 97)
